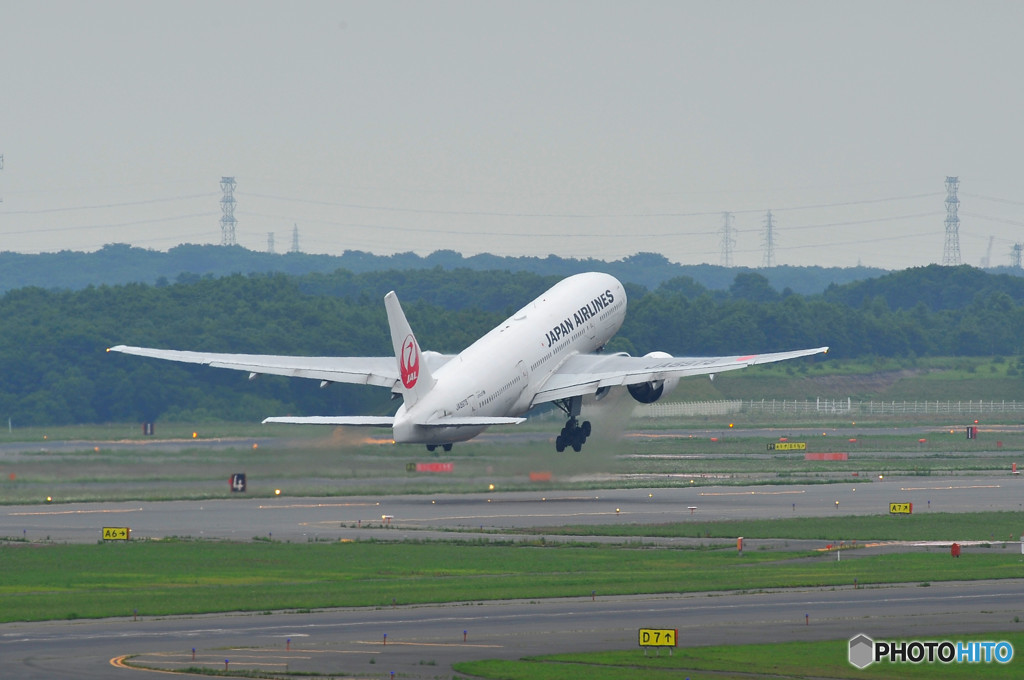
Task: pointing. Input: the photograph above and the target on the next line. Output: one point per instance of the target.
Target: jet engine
(650, 392)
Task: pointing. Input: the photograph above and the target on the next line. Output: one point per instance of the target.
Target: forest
(120, 264)
(56, 371)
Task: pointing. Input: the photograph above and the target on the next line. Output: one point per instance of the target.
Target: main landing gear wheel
(573, 435)
(433, 447)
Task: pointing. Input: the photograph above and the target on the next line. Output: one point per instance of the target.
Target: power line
(631, 234)
(1003, 220)
(100, 206)
(105, 225)
(994, 199)
(486, 213)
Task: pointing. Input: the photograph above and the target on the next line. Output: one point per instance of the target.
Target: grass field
(735, 662)
(326, 462)
(978, 526)
(40, 581)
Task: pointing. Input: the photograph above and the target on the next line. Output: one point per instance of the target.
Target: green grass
(133, 431)
(826, 659)
(336, 463)
(924, 526)
(41, 582)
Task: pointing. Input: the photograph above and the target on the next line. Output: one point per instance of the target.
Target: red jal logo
(409, 363)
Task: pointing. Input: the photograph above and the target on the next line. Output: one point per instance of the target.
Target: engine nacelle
(650, 392)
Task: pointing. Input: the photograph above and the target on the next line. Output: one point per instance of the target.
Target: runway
(410, 516)
(423, 641)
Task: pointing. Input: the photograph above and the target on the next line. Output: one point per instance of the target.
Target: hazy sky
(580, 129)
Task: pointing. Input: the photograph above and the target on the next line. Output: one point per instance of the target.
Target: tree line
(117, 264)
(56, 371)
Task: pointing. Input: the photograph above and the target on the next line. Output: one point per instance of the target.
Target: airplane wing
(388, 421)
(381, 371)
(585, 374)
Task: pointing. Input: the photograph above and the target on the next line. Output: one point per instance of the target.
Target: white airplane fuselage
(499, 374)
(547, 352)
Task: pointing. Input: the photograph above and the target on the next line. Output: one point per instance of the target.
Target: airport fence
(828, 406)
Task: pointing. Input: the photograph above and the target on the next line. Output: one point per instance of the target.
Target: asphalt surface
(423, 641)
(416, 516)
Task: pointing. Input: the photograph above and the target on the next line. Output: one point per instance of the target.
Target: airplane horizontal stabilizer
(362, 421)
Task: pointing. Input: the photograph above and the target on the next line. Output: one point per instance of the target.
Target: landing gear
(433, 447)
(574, 434)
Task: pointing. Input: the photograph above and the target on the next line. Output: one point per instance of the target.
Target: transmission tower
(295, 238)
(769, 241)
(270, 242)
(986, 261)
(1015, 255)
(728, 242)
(951, 251)
(227, 209)
(1, 168)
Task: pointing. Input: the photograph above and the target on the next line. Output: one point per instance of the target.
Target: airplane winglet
(415, 377)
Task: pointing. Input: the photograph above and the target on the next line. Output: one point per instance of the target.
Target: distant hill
(119, 264)
(935, 287)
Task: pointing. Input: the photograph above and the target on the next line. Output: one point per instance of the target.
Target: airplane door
(523, 373)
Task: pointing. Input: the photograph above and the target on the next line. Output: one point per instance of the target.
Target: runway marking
(292, 654)
(73, 512)
(118, 662)
(668, 456)
(317, 505)
(532, 499)
(947, 488)
(476, 517)
(241, 661)
(750, 493)
(378, 643)
(649, 435)
(941, 544)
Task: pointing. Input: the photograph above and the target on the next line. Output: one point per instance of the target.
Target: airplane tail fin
(415, 376)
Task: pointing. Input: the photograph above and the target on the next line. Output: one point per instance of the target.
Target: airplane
(547, 352)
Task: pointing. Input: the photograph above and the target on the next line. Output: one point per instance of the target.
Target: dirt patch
(867, 385)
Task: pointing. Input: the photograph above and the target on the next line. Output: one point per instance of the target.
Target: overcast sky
(580, 129)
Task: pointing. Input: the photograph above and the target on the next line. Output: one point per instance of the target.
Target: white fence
(827, 406)
(688, 408)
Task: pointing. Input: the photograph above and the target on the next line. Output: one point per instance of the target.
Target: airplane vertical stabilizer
(416, 380)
